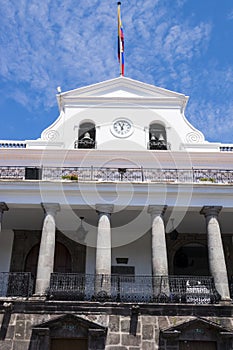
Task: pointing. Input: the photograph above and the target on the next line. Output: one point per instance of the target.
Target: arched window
(157, 137)
(86, 136)
(62, 259)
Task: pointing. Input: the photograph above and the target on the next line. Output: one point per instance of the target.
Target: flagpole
(119, 38)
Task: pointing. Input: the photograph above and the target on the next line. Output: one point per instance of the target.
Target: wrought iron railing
(16, 284)
(158, 145)
(13, 144)
(85, 143)
(192, 175)
(153, 145)
(226, 148)
(127, 288)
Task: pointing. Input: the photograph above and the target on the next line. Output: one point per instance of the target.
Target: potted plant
(71, 177)
(207, 179)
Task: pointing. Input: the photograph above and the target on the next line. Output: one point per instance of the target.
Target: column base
(225, 301)
(38, 297)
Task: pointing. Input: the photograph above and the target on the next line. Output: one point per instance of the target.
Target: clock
(122, 128)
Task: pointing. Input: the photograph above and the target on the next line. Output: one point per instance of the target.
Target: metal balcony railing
(127, 288)
(16, 284)
(82, 174)
(13, 144)
(158, 145)
(85, 143)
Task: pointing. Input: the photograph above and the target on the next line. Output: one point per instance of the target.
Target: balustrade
(201, 176)
(124, 288)
(16, 284)
(127, 288)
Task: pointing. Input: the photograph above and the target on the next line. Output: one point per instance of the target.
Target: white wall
(64, 131)
(176, 126)
(137, 252)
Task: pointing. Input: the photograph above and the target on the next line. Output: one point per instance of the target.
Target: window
(157, 137)
(86, 136)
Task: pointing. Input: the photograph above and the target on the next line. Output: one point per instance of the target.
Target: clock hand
(121, 126)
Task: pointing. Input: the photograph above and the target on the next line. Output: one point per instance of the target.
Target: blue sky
(180, 45)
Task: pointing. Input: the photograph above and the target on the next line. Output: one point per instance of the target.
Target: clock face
(122, 128)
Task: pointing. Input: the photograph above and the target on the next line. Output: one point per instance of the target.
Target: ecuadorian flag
(120, 42)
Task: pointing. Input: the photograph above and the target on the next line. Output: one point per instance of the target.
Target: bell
(153, 138)
(161, 138)
(87, 136)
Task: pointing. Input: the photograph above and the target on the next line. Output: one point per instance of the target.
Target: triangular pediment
(198, 324)
(121, 87)
(68, 321)
(69, 326)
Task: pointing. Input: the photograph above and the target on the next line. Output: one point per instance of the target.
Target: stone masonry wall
(135, 332)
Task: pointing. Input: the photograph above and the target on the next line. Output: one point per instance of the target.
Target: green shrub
(210, 179)
(70, 177)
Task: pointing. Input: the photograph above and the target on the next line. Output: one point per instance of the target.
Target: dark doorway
(192, 259)
(197, 345)
(62, 260)
(69, 344)
(31, 260)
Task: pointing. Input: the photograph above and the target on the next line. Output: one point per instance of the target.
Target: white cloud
(51, 43)
(214, 120)
(230, 15)
(183, 42)
(45, 44)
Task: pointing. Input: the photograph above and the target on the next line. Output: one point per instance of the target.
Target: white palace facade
(116, 227)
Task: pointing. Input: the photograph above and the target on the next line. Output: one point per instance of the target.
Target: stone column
(3, 207)
(159, 250)
(47, 248)
(217, 262)
(103, 249)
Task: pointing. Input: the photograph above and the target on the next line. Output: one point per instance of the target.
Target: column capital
(3, 207)
(157, 209)
(210, 211)
(50, 208)
(104, 208)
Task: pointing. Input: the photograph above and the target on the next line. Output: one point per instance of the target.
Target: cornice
(24, 193)
(140, 102)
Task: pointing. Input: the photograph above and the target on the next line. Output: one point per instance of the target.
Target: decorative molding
(3, 207)
(157, 209)
(194, 137)
(51, 135)
(211, 211)
(50, 208)
(104, 208)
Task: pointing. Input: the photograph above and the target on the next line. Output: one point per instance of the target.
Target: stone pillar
(217, 262)
(159, 250)
(103, 249)
(3, 237)
(3, 207)
(47, 248)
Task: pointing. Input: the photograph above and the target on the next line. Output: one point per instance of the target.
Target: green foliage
(210, 179)
(73, 177)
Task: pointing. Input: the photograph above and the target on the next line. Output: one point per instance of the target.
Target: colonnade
(217, 263)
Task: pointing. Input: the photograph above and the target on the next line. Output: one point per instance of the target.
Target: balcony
(16, 284)
(201, 176)
(144, 289)
(158, 145)
(115, 288)
(87, 143)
